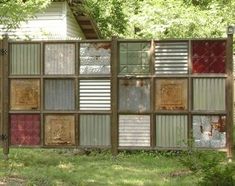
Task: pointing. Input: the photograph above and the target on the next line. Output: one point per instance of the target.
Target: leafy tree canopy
(161, 18)
(13, 12)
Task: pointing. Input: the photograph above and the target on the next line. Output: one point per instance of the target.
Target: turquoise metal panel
(171, 131)
(24, 59)
(95, 130)
(209, 94)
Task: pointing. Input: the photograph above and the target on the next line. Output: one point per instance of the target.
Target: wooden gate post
(4, 89)
(229, 91)
(114, 99)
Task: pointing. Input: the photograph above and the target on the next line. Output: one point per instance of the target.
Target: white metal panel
(95, 95)
(171, 58)
(134, 130)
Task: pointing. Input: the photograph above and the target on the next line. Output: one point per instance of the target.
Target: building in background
(56, 22)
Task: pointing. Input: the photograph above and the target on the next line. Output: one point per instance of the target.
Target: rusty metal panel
(134, 95)
(25, 94)
(59, 130)
(171, 57)
(95, 130)
(95, 58)
(208, 56)
(95, 94)
(59, 94)
(134, 130)
(134, 58)
(59, 58)
(24, 59)
(171, 94)
(25, 129)
(209, 94)
(171, 131)
(209, 131)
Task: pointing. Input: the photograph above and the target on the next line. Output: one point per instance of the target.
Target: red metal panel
(25, 129)
(208, 56)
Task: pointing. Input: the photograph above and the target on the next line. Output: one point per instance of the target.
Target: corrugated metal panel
(209, 131)
(208, 56)
(134, 58)
(95, 95)
(95, 58)
(171, 94)
(95, 130)
(59, 130)
(171, 131)
(59, 59)
(134, 95)
(171, 58)
(209, 94)
(25, 94)
(24, 59)
(59, 95)
(25, 129)
(134, 130)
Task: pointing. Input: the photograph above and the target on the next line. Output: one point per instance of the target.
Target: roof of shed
(87, 24)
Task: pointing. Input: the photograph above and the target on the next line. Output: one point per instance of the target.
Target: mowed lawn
(67, 167)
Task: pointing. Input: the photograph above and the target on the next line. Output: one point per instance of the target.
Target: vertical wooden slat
(229, 96)
(114, 99)
(5, 98)
(152, 96)
(1, 91)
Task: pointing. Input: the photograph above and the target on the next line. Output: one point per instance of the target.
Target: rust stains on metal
(25, 94)
(59, 130)
(171, 94)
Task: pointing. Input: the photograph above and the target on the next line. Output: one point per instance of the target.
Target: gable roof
(87, 24)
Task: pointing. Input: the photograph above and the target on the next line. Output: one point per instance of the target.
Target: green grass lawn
(66, 167)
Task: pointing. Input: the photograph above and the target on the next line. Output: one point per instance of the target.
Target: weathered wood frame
(114, 77)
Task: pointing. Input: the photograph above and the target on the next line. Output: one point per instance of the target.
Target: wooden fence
(118, 94)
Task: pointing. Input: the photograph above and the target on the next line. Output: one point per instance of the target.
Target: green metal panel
(24, 59)
(209, 94)
(171, 131)
(95, 130)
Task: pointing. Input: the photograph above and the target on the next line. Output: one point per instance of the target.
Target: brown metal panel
(95, 58)
(171, 94)
(25, 94)
(209, 131)
(59, 130)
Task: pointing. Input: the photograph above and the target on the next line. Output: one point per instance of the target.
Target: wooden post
(114, 96)
(5, 97)
(229, 91)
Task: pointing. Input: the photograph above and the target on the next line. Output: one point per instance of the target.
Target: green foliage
(13, 12)
(109, 16)
(163, 19)
(219, 175)
(66, 167)
(210, 166)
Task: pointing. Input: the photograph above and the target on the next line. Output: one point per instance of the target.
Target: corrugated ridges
(171, 131)
(95, 95)
(171, 58)
(59, 95)
(95, 130)
(134, 130)
(209, 94)
(24, 59)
